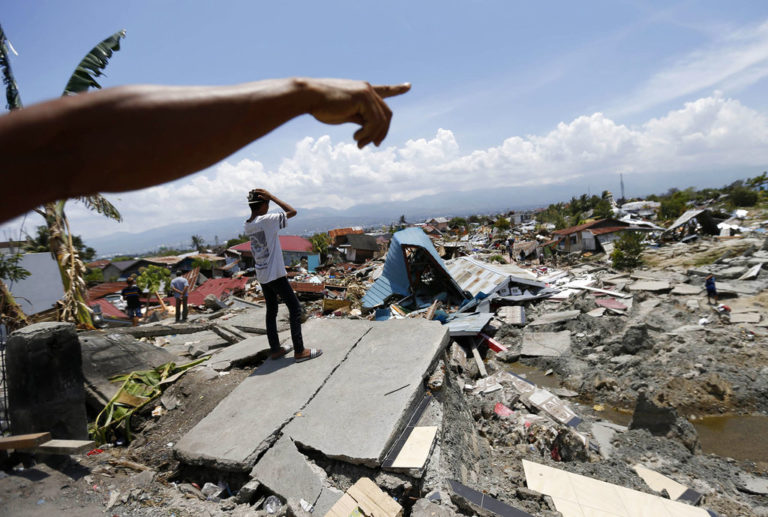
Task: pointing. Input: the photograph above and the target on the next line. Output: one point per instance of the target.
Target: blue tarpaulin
(394, 278)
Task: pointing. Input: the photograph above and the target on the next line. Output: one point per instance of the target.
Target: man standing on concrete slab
(133, 304)
(180, 289)
(709, 283)
(262, 229)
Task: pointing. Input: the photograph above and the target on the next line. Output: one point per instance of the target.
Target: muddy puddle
(742, 437)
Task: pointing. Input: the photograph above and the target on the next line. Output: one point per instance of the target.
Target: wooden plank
(344, 507)
(479, 361)
(373, 501)
(416, 450)
(24, 441)
(431, 311)
(56, 446)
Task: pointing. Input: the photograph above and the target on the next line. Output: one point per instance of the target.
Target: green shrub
(627, 250)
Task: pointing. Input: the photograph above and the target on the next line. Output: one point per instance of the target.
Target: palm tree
(60, 237)
(198, 243)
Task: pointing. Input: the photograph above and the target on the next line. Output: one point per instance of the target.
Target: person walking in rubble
(180, 289)
(132, 302)
(709, 283)
(262, 229)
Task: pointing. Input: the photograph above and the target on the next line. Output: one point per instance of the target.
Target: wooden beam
(24, 441)
(479, 361)
(66, 446)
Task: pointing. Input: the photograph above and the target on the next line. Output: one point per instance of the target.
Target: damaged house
(413, 271)
(594, 235)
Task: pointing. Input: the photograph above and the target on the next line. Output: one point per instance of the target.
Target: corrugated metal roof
(107, 309)
(394, 278)
(475, 276)
(168, 261)
(101, 290)
(287, 243)
(215, 286)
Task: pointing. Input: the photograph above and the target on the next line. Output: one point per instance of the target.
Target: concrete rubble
(449, 403)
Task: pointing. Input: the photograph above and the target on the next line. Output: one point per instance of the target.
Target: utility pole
(621, 175)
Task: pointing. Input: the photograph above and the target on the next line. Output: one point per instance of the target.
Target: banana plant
(72, 269)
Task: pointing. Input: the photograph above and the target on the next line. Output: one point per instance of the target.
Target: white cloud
(712, 133)
(736, 60)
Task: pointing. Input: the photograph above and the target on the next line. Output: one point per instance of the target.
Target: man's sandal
(280, 353)
(313, 353)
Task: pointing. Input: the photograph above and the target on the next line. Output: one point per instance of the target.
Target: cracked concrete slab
(546, 344)
(244, 424)
(287, 473)
(254, 320)
(364, 405)
(195, 344)
(247, 351)
(554, 317)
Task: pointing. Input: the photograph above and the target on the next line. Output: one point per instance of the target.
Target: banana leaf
(12, 98)
(92, 64)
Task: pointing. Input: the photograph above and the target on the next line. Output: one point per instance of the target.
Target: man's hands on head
(344, 100)
(262, 193)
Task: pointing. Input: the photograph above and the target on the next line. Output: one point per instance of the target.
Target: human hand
(344, 100)
(260, 193)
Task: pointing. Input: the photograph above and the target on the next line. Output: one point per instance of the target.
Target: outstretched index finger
(387, 90)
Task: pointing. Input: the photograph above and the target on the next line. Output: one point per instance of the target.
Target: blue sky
(504, 93)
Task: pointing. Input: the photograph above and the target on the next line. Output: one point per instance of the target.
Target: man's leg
(270, 296)
(178, 310)
(294, 309)
(185, 303)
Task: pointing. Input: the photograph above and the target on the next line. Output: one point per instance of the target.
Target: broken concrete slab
(287, 473)
(369, 397)
(596, 313)
(512, 314)
(166, 328)
(745, 317)
(253, 320)
(468, 324)
(546, 344)
(107, 355)
(650, 285)
(731, 272)
(243, 425)
(550, 318)
(603, 436)
(248, 351)
(194, 344)
(752, 484)
(687, 289)
(752, 273)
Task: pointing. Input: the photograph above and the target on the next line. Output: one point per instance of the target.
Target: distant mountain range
(313, 220)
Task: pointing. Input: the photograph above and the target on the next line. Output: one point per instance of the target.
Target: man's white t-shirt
(265, 246)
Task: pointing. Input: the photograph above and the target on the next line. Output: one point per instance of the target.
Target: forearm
(288, 209)
(118, 139)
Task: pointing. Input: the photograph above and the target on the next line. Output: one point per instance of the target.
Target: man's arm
(132, 137)
(288, 209)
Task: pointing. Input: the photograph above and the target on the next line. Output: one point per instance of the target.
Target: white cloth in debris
(265, 246)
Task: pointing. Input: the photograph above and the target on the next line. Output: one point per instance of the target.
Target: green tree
(152, 278)
(671, 207)
(742, 196)
(237, 240)
(626, 251)
(457, 222)
(320, 244)
(94, 276)
(502, 224)
(41, 243)
(202, 263)
(603, 209)
(61, 242)
(198, 243)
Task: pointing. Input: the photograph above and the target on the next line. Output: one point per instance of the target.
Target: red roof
(101, 290)
(338, 232)
(307, 287)
(97, 264)
(609, 229)
(287, 243)
(109, 310)
(215, 286)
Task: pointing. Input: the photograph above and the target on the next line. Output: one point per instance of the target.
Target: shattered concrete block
(458, 358)
(45, 381)
(512, 315)
(554, 317)
(287, 473)
(650, 285)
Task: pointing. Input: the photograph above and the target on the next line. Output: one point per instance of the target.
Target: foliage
(10, 269)
(41, 243)
(457, 222)
(94, 276)
(320, 243)
(672, 207)
(497, 258)
(474, 218)
(136, 391)
(742, 196)
(202, 263)
(122, 258)
(603, 209)
(167, 252)
(152, 277)
(627, 250)
(198, 243)
(502, 223)
(237, 240)
(84, 76)
(12, 98)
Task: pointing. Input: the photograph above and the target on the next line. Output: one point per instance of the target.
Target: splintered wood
(364, 498)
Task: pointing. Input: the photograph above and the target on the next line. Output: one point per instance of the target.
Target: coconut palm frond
(92, 64)
(101, 205)
(12, 98)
